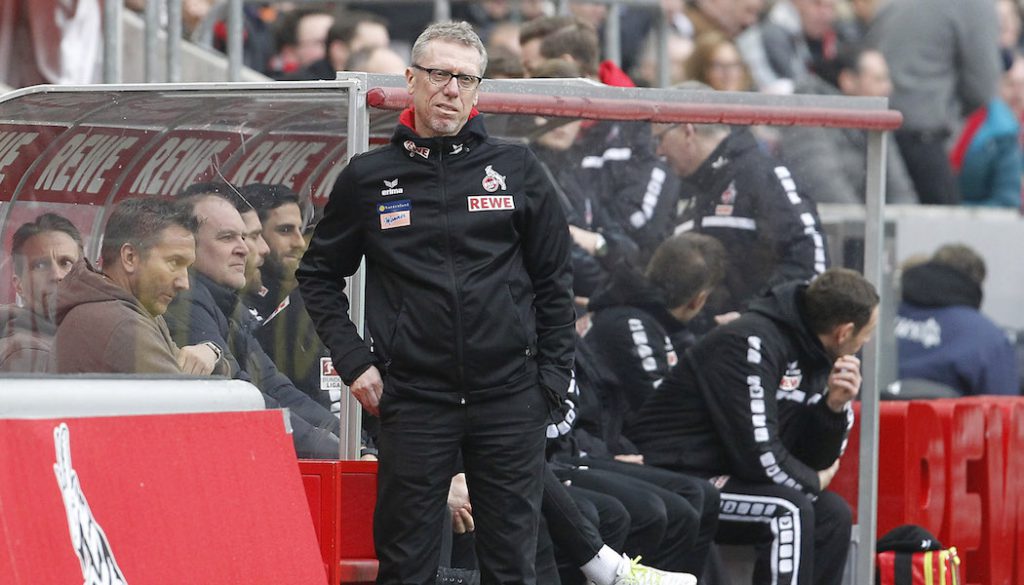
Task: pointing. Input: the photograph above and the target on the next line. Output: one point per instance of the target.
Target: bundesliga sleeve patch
(395, 214)
(491, 202)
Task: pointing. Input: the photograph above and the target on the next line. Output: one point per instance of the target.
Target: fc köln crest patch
(728, 198)
(493, 181)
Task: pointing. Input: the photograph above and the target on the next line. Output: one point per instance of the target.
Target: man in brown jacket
(112, 321)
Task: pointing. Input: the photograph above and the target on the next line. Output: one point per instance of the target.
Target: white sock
(604, 567)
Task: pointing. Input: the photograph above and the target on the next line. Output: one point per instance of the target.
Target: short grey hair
(461, 33)
(703, 129)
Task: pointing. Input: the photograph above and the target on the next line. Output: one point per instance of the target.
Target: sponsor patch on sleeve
(395, 214)
(491, 202)
(329, 378)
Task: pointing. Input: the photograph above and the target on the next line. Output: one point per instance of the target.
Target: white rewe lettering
(10, 147)
(82, 163)
(277, 162)
(491, 202)
(174, 163)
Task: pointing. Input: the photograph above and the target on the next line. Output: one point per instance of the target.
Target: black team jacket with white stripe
(752, 204)
(748, 401)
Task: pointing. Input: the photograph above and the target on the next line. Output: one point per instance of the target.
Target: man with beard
(285, 330)
(211, 311)
(761, 407)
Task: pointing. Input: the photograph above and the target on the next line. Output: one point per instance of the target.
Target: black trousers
(578, 523)
(798, 541)
(502, 446)
(664, 526)
(574, 525)
(698, 492)
(924, 154)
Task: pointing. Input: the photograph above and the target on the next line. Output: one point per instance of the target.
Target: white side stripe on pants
(783, 517)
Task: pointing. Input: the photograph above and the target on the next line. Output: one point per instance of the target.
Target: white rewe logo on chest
(491, 202)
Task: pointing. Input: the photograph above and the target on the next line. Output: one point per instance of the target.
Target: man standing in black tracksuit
(750, 203)
(469, 305)
(761, 406)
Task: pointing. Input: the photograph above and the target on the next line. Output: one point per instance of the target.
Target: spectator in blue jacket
(987, 159)
(943, 337)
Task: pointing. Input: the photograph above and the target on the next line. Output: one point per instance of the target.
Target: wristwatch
(217, 351)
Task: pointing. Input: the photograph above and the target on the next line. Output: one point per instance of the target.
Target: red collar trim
(408, 118)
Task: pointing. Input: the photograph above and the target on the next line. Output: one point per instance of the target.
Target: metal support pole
(112, 41)
(150, 38)
(174, 34)
(612, 38)
(235, 40)
(662, 30)
(442, 11)
(867, 488)
(359, 141)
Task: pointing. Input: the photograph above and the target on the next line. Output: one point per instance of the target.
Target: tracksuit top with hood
(748, 401)
(632, 333)
(101, 327)
(468, 279)
(942, 336)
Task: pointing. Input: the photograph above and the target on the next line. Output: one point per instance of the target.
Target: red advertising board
(20, 146)
(178, 159)
(282, 159)
(154, 500)
(83, 165)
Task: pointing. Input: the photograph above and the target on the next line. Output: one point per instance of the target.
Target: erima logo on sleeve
(87, 536)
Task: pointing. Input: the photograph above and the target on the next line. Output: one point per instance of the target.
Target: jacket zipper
(455, 283)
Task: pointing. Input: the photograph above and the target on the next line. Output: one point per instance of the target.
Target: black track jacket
(750, 203)
(631, 333)
(748, 401)
(468, 280)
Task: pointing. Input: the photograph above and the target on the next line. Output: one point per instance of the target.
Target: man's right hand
(197, 360)
(825, 475)
(367, 389)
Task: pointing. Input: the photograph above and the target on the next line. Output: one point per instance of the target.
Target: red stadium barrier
(160, 500)
(342, 495)
(955, 467)
(394, 98)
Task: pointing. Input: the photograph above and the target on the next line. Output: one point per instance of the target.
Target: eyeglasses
(658, 137)
(440, 78)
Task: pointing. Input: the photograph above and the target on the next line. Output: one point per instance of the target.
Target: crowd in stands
(715, 349)
(953, 74)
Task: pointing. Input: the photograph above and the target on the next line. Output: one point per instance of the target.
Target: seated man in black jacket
(286, 332)
(761, 407)
(638, 326)
(211, 311)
